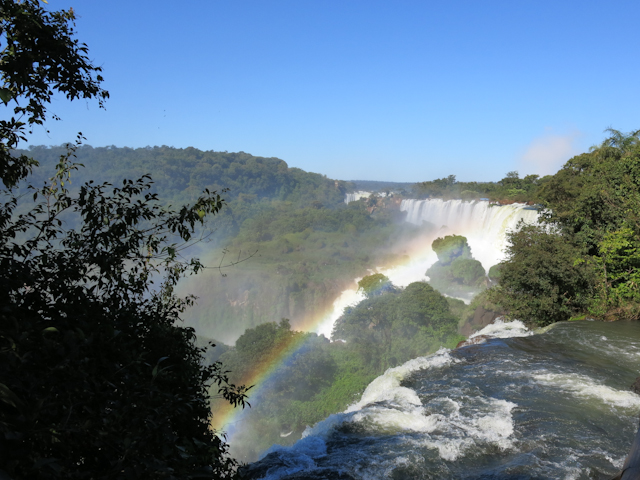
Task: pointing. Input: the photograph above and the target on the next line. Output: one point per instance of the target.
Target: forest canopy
(584, 260)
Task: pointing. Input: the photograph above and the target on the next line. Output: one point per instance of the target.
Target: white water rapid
(484, 225)
(550, 404)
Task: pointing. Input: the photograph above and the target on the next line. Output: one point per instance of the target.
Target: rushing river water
(554, 404)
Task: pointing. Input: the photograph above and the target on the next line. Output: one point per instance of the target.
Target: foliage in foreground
(97, 380)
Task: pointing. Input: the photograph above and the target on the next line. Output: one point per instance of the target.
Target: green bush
(450, 248)
(467, 271)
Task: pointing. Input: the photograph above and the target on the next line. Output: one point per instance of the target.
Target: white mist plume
(548, 152)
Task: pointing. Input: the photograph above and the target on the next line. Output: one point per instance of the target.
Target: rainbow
(483, 226)
(224, 414)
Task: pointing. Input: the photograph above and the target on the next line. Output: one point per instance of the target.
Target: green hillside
(299, 245)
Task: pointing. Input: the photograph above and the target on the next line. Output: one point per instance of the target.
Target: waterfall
(487, 410)
(352, 197)
(554, 403)
(484, 225)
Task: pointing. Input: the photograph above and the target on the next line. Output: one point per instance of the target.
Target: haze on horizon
(398, 91)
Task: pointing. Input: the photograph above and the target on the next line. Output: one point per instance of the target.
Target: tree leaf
(50, 330)
(8, 397)
(5, 95)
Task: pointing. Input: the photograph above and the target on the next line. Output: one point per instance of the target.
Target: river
(547, 404)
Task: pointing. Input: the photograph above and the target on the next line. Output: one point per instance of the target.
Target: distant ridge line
(377, 185)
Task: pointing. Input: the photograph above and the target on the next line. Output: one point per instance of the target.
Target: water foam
(459, 418)
(501, 329)
(483, 422)
(300, 456)
(587, 388)
(445, 424)
(385, 404)
(386, 388)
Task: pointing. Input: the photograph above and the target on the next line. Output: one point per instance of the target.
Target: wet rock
(473, 341)
(323, 474)
(274, 463)
(631, 468)
(481, 318)
(636, 386)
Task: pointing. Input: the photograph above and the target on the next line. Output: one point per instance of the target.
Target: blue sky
(378, 90)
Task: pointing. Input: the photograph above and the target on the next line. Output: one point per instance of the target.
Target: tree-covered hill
(381, 186)
(585, 259)
(510, 189)
(302, 244)
(181, 174)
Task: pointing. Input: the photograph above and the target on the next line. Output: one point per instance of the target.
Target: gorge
(546, 403)
(312, 247)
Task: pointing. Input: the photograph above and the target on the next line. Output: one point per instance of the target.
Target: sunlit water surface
(546, 405)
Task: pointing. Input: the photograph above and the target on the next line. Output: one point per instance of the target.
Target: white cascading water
(483, 411)
(502, 410)
(354, 196)
(484, 225)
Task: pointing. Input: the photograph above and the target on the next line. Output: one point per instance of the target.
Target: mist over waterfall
(484, 224)
(551, 403)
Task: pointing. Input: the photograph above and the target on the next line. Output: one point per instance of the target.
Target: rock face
(272, 463)
(473, 341)
(631, 468)
(481, 318)
(636, 386)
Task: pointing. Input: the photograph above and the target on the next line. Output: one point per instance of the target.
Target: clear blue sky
(378, 90)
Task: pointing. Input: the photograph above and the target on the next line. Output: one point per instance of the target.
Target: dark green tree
(494, 273)
(424, 306)
(597, 192)
(467, 271)
(389, 329)
(593, 204)
(544, 278)
(40, 56)
(97, 377)
(456, 272)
